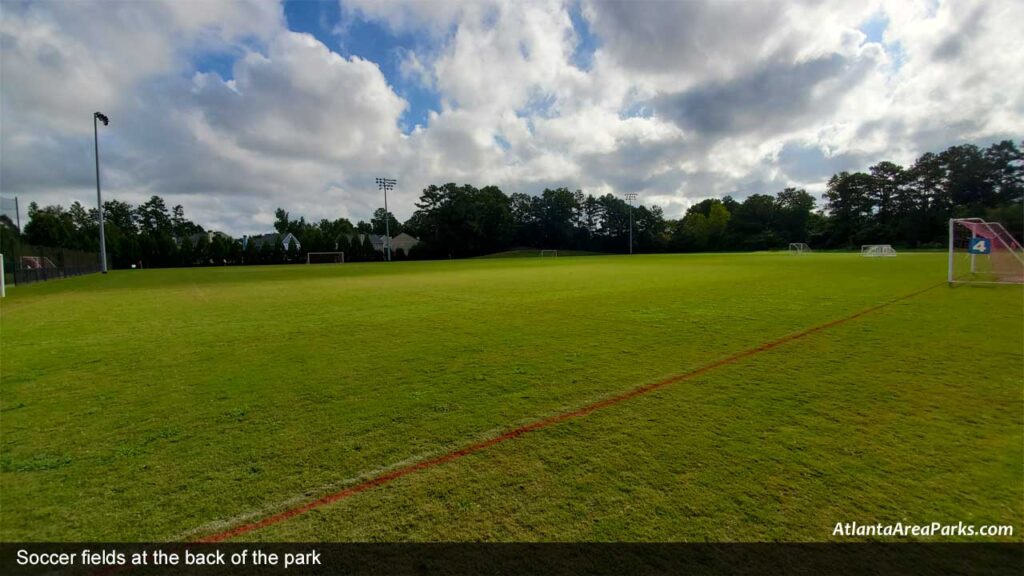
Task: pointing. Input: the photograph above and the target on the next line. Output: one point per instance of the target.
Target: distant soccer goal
(325, 258)
(799, 248)
(876, 250)
(544, 253)
(983, 252)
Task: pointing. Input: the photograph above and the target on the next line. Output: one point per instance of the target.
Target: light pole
(386, 184)
(99, 117)
(630, 196)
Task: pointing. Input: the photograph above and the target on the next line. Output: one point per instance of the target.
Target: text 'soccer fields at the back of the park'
(721, 397)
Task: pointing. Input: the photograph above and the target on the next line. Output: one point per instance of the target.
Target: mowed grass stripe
(536, 425)
(877, 420)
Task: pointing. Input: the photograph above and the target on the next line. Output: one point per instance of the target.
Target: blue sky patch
(586, 42)
(220, 63)
(874, 27)
(350, 35)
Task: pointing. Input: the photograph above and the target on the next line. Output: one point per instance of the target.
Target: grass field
(532, 253)
(172, 404)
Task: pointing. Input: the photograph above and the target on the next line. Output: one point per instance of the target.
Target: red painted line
(536, 425)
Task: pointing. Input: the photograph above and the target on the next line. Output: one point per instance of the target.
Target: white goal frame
(549, 253)
(799, 248)
(340, 255)
(877, 250)
(1004, 263)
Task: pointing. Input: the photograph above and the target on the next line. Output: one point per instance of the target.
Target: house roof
(403, 237)
(261, 239)
(376, 239)
(272, 237)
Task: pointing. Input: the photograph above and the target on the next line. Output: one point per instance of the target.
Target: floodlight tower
(630, 196)
(99, 117)
(385, 184)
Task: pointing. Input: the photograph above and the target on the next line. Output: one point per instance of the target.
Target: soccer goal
(544, 253)
(325, 258)
(983, 252)
(876, 250)
(799, 248)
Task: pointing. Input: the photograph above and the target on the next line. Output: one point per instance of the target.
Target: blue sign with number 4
(979, 246)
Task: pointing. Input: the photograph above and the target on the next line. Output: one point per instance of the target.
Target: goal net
(798, 248)
(325, 258)
(983, 252)
(544, 253)
(876, 250)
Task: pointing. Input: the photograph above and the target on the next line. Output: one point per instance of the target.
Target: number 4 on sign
(979, 246)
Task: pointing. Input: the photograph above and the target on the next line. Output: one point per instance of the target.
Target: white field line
(224, 524)
(325, 489)
(199, 292)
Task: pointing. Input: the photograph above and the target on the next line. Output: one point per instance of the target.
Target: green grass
(534, 253)
(165, 404)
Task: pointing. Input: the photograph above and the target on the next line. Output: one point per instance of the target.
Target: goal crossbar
(982, 252)
(325, 258)
(876, 250)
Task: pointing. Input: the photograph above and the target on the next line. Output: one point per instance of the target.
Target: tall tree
(888, 197)
(153, 217)
(377, 223)
(849, 202)
(795, 210)
(281, 221)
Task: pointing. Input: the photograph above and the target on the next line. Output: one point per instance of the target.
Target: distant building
(211, 235)
(376, 240)
(194, 238)
(273, 238)
(403, 242)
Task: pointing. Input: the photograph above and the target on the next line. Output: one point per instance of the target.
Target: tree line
(889, 203)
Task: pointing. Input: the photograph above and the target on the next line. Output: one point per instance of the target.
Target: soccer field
(180, 404)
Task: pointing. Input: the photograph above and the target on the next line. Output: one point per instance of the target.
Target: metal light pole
(630, 196)
(386, 184)
(99, 117)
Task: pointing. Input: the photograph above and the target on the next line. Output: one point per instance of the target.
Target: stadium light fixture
(630, 196)
(385, 184)
(96, 118)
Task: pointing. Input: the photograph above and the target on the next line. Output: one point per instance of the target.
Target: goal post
(982, 252)
(325, 258)
(799, 248)
(548, 253)
(877, 250)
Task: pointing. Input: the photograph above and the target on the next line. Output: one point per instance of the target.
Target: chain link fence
(25, 263)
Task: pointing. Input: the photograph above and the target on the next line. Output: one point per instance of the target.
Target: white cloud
(679, 102)
(301, 100)
(61, 61)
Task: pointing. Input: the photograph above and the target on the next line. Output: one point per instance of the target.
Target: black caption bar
(478, 559)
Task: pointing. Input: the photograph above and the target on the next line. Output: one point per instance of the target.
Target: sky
(233, 109)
